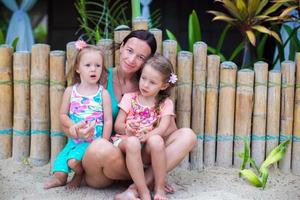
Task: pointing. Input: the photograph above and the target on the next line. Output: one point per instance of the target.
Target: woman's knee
(99, 149)
(155, 142)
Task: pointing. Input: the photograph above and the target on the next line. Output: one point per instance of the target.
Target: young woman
(103, 163)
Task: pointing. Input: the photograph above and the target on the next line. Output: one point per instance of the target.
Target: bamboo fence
(221, 104)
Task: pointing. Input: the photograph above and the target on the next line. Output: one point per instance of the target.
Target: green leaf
(2, 40)
(261, 47)
(194, 31)
(171, 36)
(276, 154)
(15, 43)
(237, 51)
(246, 154)
(251, 177)
(135, 8)
(222, 37)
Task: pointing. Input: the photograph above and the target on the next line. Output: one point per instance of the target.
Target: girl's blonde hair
(165, 67)
(73, 76)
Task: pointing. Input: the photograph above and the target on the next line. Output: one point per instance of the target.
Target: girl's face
(133, 55)
(151, 82)
(90, 67)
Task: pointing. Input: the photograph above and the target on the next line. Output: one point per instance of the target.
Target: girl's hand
(86, 131)
(75, 128)
(129, 130)
(142, 137)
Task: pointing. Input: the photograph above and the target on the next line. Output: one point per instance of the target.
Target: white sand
(22, 181)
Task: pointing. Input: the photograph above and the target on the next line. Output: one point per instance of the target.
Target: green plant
(100, 21)
(194, 35)
(250, 18)
(259, 179)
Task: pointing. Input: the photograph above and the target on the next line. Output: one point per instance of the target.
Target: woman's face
(133, 54)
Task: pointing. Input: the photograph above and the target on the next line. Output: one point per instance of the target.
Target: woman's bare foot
(129, 194)
(75, 182)
(160, 194)
(54, 182)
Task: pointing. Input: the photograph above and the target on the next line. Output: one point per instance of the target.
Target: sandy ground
(22, 181)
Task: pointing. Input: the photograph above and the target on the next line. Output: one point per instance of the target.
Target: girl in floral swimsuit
(143, 118)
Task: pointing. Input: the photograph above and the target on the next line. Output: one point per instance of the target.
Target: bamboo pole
(287, 108)
(211, 110)
(107, 47)
(170, 52)
(158, 37)
(198, 102)
(259, 112)
(226, 114)
(21, 123)
(6, 101)
(140, 23)
(185, 65)
(71, 53)
(273, 117)
(57, 87)
(39, 96)
(119, 34)
(243, 114)
(296, 137)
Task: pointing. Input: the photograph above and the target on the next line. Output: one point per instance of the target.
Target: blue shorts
(72, 150)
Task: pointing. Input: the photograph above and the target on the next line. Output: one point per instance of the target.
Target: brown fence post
(243, 112)
(184, 93)
(21, 125)
(296, 136)
(260, 112)
(211, 110)
(158, 37)
(273, 117)
(287, 110)
(106, 46)
(226, 114)
(6, 101)
(39, 102)
(119, 34)
(57, 87)
(198, 102)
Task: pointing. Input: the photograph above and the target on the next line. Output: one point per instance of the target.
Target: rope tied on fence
(21, 132)
(6, 131)
(180, 83)
(261, 84)
(286, 85)
(21, 82)
(57, 134)
(36, 132)
(9, 82)
(40, 82)
(224, 85)
(273, 84)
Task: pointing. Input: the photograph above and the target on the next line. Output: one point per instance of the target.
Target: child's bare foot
(54, 182)
(75, 182)
(129, 194)
(169, 189)
(160, 195)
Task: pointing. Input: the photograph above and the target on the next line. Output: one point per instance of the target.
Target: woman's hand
(142, 137)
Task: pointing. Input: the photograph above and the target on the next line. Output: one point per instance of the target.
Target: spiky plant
(251, 17)
(98, 19)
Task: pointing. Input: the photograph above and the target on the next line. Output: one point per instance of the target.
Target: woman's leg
(132, 148)
(76, 166)
(155, 147)
(103, 163)
(178, 145)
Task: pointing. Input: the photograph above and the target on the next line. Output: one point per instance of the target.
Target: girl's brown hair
(164, 66)
(73, 76)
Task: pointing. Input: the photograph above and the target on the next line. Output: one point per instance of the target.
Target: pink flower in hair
(80, 44)
(173, 78)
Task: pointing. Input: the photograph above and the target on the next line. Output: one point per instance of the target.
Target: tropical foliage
(252, 17)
